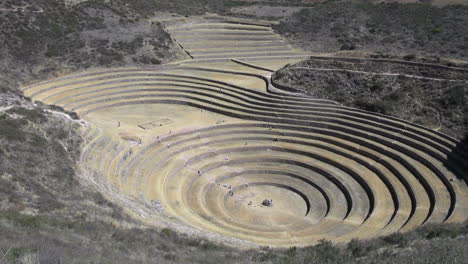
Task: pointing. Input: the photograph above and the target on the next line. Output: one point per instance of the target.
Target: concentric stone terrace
(202, 147)
(217, 38)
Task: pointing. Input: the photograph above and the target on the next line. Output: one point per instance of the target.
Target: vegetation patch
(417, 29)
(48, 38)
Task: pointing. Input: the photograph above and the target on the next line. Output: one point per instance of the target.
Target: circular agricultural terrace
(209, 146)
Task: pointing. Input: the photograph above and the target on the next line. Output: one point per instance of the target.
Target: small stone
(267, 202)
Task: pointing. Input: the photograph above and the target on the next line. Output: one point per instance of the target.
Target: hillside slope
(42, 39)
(432, 96)
(399, 29)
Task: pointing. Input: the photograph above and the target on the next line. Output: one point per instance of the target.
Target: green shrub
(11, 129)
(376, 86)
(291, 251)
(38, 141)
(17, 218)
(443, 231)
(74, 115)
(373, 105)
(396, 96)
(148, 60)
(53, 51)
(357, 248)
(33, 115)
(326, 250)
(170, 256)
(398, 239)
(13, 254)
(436, 30)
(168, 233)
(208, 245)
(409, 57)
(456, 95)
